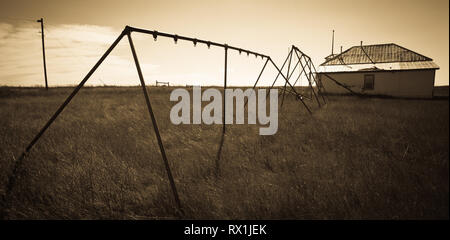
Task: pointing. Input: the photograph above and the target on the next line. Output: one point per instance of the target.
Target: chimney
(341, 49)
(332, 44)
(361, 43)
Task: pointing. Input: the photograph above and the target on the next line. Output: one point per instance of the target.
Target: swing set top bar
(303, 54)
(194, 40)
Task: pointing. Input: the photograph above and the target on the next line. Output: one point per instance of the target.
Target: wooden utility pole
(43, 51)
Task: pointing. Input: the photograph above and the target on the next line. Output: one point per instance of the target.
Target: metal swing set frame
(288, 87)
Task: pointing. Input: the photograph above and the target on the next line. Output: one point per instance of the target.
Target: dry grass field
(370, 158)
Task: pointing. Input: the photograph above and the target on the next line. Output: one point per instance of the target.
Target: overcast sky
(78, 32)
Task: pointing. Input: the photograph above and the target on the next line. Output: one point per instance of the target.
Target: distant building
(383, 69)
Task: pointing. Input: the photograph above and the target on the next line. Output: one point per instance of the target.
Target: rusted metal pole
(287, 74)
(18, 163)
(279, 72)
(194, 40)
(299, 96)
(309, 78)
(260, 73)
(292, 73)
(155, 125)
(297, 79)
(293, 93)
(342, 85)
(318, 82)
(256, 82)
(310, 64)
(224, 87)
(303, 70)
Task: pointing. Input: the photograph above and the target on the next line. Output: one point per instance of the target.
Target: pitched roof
(330, 56)
(380, 53)
(370, 67)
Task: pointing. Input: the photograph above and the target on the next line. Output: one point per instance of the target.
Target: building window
(369, 81)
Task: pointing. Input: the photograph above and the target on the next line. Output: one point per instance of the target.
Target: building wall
(411, 83)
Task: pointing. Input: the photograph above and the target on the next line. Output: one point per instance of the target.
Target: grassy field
(354, 158)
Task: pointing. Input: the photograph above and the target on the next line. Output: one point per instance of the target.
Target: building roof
(330, 56)
(369, 67)
(380, 53)
(380, 57)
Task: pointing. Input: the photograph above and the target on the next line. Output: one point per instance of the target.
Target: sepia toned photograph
(224, 110)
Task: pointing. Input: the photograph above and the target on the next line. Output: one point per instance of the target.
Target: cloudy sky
(78, 32)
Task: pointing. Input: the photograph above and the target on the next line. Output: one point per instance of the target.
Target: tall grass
(352, 159)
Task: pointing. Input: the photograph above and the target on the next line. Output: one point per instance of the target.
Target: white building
(382, 69)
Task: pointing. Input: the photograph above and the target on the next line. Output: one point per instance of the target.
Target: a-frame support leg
(342, 85)
(257, 80)
(289, 78)
(308, 77)
(311, 66)
(155, 125)
(279, 72)
(287, 74)
(18, 162)
(299, 96)
(224, 89)
(319, 83)
(313, 77)
(301, 72)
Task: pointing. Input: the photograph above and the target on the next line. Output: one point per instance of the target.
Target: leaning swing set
(303, 60)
